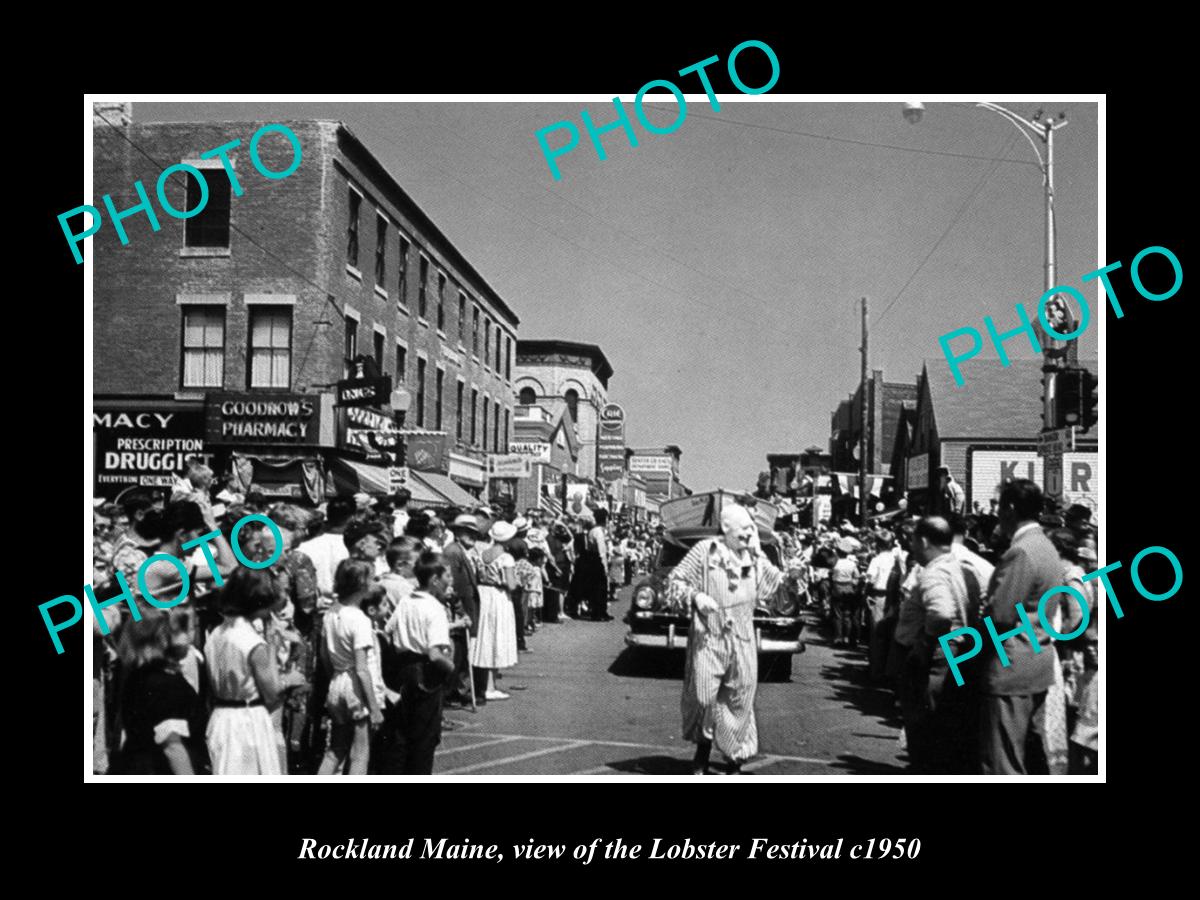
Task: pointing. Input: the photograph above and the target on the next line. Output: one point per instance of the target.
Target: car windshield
(672, 554)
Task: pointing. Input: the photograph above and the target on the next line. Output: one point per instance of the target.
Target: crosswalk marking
(463, 770)
(565, 744)
(500, 740)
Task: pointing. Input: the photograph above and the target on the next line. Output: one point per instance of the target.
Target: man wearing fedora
(461, 566)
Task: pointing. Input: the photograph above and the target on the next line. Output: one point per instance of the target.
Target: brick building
(550, 372)
(984, 432)
(885, 399)
(235, 324)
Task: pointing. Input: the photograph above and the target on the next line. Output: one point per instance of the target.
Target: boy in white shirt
(419, 631)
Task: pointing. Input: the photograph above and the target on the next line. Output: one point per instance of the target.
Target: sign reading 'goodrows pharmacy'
(290, 419)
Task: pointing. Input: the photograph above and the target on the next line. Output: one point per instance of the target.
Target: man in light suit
(1013, 694)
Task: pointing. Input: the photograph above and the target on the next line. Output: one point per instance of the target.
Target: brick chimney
(119, 113)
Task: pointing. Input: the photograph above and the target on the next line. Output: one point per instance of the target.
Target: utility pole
(865, 430)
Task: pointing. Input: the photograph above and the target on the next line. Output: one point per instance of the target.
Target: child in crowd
(398, 581)
(245, 680)
(533, 579)
(348, 643)
(384, 674)
(161, 714)
(420, 634)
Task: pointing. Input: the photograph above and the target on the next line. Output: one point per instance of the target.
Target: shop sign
(661, 464)
(534, 451)
(146, 447)
(508, 466)
(355, 392)
(267, 419)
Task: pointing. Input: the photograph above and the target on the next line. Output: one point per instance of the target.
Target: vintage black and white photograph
(680, 435)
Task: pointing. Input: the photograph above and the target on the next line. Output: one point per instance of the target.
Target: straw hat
(502, 532)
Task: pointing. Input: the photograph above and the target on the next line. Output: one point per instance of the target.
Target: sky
(720, 267)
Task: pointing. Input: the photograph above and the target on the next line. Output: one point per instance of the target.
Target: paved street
(582, 704)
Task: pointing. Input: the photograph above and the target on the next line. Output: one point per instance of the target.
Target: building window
(572, 398)
(508, 345)
(475, 334)
(380, 251)
(403, 287)
(379, 341)
(474, 410)
(210, 226)
(439, 387)
(505, 435)
(203, 346)
(352, 229)
(498, 348)
(350, 350)
(462, 319)
(401, 363)
(483, 436)
(458, 415)
(420, 392)
(441, 300)
(527, 397)
(422, 285)
(496, 429)
(270, 347)
(487, 342)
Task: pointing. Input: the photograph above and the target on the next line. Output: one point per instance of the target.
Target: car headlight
(643, 598)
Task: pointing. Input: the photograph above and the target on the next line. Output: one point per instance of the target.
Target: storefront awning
(455, 496)
(349, 476)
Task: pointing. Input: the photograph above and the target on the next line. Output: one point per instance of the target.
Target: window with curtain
(203, 346)
(270, 347)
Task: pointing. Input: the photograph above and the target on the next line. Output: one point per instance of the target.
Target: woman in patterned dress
(496, 645)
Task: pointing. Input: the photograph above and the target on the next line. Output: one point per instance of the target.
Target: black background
(972, 834)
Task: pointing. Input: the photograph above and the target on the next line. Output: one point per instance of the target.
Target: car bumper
(673, 637)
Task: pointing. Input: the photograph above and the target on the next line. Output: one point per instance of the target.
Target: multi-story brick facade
(271, 292)
(572, 372)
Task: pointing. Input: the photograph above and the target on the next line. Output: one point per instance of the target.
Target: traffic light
(1067, 392)
(1089, 400)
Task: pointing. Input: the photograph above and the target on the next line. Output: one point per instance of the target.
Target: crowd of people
(892, 590)
(341, 656)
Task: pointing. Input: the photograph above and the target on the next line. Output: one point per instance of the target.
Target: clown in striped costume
(721, 580)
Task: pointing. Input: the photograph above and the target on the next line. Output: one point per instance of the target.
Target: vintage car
(652, 619)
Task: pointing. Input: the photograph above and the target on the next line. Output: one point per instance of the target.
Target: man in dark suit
(460, 566)
(1013, 694)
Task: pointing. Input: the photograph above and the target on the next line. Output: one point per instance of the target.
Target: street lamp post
(1042, 127)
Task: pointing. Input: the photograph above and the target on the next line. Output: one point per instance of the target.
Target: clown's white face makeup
(738, 527)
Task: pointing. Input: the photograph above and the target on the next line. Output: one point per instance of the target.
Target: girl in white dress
(245, 682)
(496, 645)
